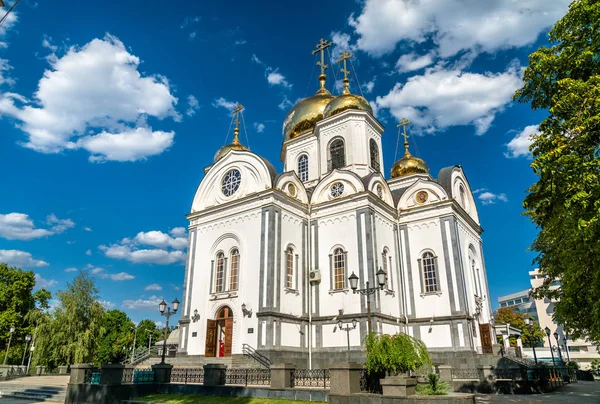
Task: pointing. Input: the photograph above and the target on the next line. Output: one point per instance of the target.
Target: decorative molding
(334, 291)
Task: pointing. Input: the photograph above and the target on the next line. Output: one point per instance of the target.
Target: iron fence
(469, 374)
(371, 382)
(187, 375)
(92, 376)
(508, 374)
(248, 377)
(311, 378)
(143, 376)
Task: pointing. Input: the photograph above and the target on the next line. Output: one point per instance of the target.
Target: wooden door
(210, 350)
(486, 338)
(228, 336)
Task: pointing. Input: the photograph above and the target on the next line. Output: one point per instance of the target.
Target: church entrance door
(486, 338)
(219, 334)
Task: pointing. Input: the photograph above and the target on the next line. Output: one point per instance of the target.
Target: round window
(231, 182)
(337, 189)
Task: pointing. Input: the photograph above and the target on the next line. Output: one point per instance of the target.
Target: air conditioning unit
(314, 276)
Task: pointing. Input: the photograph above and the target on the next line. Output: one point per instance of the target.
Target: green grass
(198, 399)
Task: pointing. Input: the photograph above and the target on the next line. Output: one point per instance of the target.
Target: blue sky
(110, 111)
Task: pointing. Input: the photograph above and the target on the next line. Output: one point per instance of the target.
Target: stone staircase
(35, 389)
(233, 361)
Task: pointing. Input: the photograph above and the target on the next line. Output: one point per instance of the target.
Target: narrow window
(289, 261)
(235, 269)
(374, 154)
(429, 273)
(303, 168)
(337, 155)
(339, 268)
(384, 259)
(220, 272)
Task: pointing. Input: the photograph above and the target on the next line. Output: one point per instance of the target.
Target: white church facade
(270, 253)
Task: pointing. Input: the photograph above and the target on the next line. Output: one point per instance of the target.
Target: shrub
(394, 354)
(434, 387)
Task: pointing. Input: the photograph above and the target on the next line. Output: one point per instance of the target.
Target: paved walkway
(33, 382)
(575, 393)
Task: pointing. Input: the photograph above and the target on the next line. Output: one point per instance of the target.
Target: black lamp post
(162, 306)
(547, 330)
(529, 323)
(27, 339)
(12, 331)
(353, 279)
(567, 347)
(558, 347)
(347, 329)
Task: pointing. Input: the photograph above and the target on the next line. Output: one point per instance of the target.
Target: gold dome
(346, 101)
(234, 145)
(408, 164)
(307, 112)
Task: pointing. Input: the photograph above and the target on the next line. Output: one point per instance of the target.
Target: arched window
(339, 268)
(235, 270)
(303, 167)
(386, 261)
(463, 197)
(289, 265)
(374, 149)
(337, 155)
(429, 277)
(220, 273)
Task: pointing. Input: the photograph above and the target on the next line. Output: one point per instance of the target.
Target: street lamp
(558, 346)
(567, 347)
(353, 279)
(134, 342)
(12, 330)
(529, 324)
(347, 329)
(162, 306)
(547, 330)
(27, 339)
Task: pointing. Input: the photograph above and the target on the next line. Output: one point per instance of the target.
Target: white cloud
(193, 105)
(87, 228)
(519, 145)
(223, 103)
(121, 276)
(106, 304)
(18, 226)
(142, 303)
(274, 78)
(20, 259)
(285, 104)
(488, 198)
(454, 25)
(341, 42)
(368, 87)
(159, 324)
(8, 23)
(260, 127)
(442, 98)
(71, 270)
(154, 286)
(192, 35)
(44, 283)
(191, 20)
(69, 107)
(411, 61)
(240, 42)
(59, 225)
(5, 68)
(168, 247)
(175, 287)
(101, 273)
(88, 252)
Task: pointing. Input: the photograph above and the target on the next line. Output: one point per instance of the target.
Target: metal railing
(465, 374)
(92, 376)
(248, 377)
(311, 378)
(187, 375)
(252, 353)
(141, 355)
(508, 374)
(371, 383)
(137, 376)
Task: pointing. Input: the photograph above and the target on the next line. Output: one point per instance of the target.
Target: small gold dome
(346, 101)
(408, 164)
(234, 145)
(307, 112)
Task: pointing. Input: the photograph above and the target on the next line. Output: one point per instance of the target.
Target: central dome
(408, 164)
(306, 113)
(345, 101)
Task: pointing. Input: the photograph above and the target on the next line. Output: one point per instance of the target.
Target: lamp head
(354, 323)
(353, 279)
(547, 330)
(12, 329)
(28, 338)
(340, 324)
(381, 275)
(244, 307)
(556, 335)
(527, 321)
(162, 306)
(175, 305)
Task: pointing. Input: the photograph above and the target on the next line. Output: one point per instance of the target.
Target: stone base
(399, 386)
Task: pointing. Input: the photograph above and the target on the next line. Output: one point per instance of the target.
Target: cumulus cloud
(442, 98)
(42, 283)
(274, 78)
(154, 286)
(20, 259)
(59, 225)
(454, 25)
(168, 248)
(71, 270)
(8, 23)
(18, 226)
(260, 127)
(87, 228)
(223, 103)
(103, 274)
(519, 145)
(368, 87)
(411, 61)
(106, 304)
(285, 104)
(488, 198)
(142, 303)
(5, 69)
(106, 116)
(88, 252)
(193, 105)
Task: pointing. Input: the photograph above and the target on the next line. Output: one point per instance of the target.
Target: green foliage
(565, 201)
(434, 386)
(596, 367)
(147, 328)
(17, 299)
(395, 354)
(116, 337)
(573, 365)
(529, 335)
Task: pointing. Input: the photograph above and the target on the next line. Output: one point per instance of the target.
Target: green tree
(116, 337)
(564, 203)
(530, 335)
(17, 299)
(72, 336)
(147, 328)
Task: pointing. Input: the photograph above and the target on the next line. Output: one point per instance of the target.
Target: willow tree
(564, 203)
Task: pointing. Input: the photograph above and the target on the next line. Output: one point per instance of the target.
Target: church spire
(403, 124)
(235, 143)
(321, 46)
(343, 57)
(408, 164)
(236, 119)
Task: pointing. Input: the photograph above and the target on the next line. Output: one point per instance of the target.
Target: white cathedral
(270, 254)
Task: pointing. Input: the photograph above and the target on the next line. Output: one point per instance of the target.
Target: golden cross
(345, 55)
(236, 113)
(403, 123)
(321, 46)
